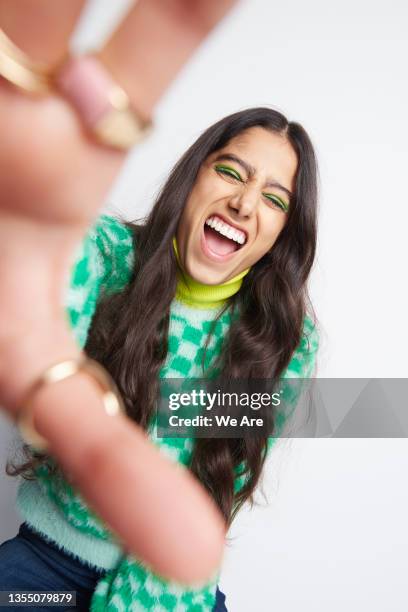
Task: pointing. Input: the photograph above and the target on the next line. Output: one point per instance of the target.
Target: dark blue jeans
(28, 562)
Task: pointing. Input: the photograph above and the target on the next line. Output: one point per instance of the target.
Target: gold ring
(119, 127)
(17, 68)
(113, 403)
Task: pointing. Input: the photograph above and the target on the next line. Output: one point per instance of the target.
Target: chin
(206, 275)
(209, 278)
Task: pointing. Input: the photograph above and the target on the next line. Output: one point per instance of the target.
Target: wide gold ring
(120, 126)
(113, 403)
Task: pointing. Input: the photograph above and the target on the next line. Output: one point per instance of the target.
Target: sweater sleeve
(301, 366)
(102, 264)
(303, 362)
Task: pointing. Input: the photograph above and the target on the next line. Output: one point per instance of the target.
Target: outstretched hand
(52, 184)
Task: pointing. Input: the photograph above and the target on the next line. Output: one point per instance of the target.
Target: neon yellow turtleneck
(196, 294)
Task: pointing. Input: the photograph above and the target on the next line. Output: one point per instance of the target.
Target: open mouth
(222, 239)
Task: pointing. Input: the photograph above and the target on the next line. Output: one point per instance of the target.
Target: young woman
(215, 280)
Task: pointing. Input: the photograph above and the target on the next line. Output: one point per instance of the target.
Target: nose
(244, 203)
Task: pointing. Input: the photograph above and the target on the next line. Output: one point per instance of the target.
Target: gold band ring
(113, 403)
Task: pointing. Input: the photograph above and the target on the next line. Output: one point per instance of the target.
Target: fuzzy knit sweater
(103, 264)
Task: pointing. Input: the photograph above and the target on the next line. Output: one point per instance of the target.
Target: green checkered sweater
(102, 264)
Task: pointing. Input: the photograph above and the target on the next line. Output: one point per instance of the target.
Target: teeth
(226, 230)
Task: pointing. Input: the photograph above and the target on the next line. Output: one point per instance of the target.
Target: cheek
(184, 229)
(190, 217)
(269, 229)
(208, 189)
(197, 204)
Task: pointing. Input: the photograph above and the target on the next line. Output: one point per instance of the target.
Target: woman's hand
(52, 184)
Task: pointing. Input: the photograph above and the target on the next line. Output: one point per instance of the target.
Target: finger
(153, 43)
(110, 460)
(41, 28)
(132, 486)
(40, 176)
(27, 348)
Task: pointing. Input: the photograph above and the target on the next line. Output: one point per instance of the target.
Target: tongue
(221, 245)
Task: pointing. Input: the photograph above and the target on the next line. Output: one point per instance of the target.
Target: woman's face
(238, 206)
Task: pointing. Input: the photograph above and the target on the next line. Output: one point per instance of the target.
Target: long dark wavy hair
(130, 329)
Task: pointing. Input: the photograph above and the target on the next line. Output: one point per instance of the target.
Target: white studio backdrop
(334, 534)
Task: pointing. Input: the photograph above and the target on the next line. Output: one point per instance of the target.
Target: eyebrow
(251, 170)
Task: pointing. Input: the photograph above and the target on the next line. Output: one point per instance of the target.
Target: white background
(334, 535)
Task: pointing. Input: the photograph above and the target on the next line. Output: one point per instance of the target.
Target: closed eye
(226, 170)
(276, 200)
